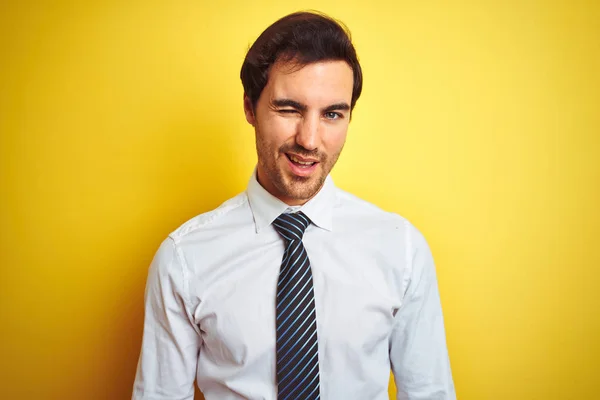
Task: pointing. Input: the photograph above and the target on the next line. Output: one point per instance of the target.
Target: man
(295, 289)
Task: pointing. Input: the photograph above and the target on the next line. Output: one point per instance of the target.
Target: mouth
(301, 166)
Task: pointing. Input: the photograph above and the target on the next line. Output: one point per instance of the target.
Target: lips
(300, 160)
(301, 166)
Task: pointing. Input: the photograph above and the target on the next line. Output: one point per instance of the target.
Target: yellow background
(479, 122)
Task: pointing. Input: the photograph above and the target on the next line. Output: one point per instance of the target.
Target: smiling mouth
(300, 162)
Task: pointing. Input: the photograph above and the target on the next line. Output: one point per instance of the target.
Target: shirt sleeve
(418, 352)
(171, 341)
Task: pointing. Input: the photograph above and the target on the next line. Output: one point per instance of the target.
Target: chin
(302, 188)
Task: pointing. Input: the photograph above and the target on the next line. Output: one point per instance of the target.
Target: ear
(249, 110)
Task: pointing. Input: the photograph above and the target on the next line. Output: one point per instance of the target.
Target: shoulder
(394, 237)
(210, 219)
(351, 206)
(371, 217)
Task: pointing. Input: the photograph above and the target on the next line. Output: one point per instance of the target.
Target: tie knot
(291, 226)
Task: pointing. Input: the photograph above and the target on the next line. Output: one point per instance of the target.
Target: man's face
(301, 120)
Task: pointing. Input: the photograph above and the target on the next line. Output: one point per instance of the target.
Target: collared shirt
(210, 303)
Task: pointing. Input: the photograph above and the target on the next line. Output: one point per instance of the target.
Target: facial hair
(291, 186)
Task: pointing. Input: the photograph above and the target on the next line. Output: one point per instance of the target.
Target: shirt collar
(266, 207)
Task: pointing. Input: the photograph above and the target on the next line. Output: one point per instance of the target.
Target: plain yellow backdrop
(479, 122)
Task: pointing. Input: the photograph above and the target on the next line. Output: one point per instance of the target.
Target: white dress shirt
(210, 303)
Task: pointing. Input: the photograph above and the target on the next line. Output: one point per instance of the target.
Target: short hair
(302, 38)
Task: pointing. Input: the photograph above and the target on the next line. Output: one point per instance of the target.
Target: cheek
(335, 138)
(277, 131)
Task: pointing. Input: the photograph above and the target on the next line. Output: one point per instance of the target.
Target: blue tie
(297, 349)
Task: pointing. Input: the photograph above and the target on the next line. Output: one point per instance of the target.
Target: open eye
(333, 115)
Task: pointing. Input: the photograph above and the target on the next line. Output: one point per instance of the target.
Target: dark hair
(302, 38)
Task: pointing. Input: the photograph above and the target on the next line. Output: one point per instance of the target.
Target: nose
(307, 135)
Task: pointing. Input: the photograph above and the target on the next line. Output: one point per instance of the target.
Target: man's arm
(171, 341)
(418, 352)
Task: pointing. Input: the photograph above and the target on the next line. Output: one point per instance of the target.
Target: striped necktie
(297, 349)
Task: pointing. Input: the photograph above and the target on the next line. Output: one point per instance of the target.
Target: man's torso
(231, 271)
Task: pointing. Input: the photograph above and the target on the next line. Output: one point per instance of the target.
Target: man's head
(301, 81)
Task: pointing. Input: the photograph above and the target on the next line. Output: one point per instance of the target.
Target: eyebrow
(337, 107)
(302, 107)
(289, 103)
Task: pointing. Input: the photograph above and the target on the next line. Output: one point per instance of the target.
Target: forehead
(315, 83)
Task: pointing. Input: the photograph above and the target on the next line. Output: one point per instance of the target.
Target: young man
(295, 289)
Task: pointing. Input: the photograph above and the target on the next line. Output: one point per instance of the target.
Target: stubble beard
(290, 186)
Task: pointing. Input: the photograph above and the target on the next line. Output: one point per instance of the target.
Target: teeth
(294, 159)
